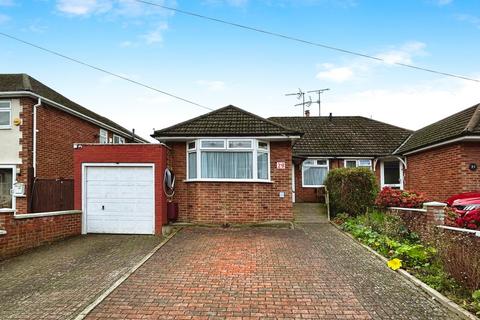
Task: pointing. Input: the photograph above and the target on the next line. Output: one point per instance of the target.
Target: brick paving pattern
(58, 281)
(312, 272)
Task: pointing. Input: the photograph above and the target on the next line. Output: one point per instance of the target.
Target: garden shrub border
(452, 306)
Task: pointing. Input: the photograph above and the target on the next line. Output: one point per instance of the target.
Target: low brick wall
(414, 219)
(27, 233)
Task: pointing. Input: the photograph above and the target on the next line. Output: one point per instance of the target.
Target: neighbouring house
(38, 127)
(443, 158)
(231, 166)
(336, 142)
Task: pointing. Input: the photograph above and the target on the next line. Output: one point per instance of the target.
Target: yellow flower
(394, 264)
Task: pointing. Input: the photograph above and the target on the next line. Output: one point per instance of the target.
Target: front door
(392, 174)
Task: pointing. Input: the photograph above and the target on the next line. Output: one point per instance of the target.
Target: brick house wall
(125, 153)
(57, 132)
(443, 172)
(234, 202)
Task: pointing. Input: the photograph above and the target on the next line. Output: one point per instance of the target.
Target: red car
(464, 202)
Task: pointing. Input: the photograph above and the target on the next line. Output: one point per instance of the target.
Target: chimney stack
(307, 113)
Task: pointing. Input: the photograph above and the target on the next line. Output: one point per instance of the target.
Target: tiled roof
(24, 82)
(344, 136)
(226, 121)
(466, 122)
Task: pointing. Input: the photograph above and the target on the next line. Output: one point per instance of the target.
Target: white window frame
(9, 110)
(382, 175)
(14, 181)
(121, 140)
(327, 165)
(103, 133)
(357, 161)
(254, 149)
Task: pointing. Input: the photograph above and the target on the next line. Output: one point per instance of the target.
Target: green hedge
(351, 190)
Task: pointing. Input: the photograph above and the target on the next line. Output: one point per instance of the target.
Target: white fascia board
(268, 138)
(68, 110)
(461, 139)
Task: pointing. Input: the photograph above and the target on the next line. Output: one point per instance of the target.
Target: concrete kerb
(452, 306)
(117, 283)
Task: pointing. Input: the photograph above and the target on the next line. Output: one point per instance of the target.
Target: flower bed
(430, 262)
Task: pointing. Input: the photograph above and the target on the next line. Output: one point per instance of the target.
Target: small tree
(351, 190)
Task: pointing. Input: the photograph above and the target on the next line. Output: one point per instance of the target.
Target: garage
(119, 188)
(119, 199)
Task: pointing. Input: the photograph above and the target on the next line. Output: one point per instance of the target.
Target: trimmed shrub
(389, 197)
(351, 190)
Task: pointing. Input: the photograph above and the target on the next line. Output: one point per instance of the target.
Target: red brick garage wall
(234, 202)
(443, 171)
(125, 153)
(26, 233)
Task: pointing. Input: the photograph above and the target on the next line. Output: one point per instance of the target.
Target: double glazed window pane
(391, 172)
(6, 180)
(5, 113)
(217, 144)
(262, 165)
(227, 165)
(192, 165)
(314, 176)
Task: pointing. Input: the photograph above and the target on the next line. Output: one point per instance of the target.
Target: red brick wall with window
(234, 202)
(318, 194)
(443, 172)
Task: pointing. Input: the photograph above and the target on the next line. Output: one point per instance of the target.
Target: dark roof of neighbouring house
(343, 136)
(226, 121)
(466, 122)
(24, 82)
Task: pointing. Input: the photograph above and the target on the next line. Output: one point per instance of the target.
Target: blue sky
(217, 65)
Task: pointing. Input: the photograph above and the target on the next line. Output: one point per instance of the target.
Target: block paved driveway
(60, 280)
(312, 272)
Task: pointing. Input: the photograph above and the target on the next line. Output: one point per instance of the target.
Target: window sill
(7, 210)
(316, 187)
(229, 180)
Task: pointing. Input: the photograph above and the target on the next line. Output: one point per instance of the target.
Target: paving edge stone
(437, 296)
(117, 283)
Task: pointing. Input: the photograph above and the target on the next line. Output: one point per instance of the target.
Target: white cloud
(4, 18)
(127, 44)
(83, 7)
(336, 74)
(404, 54)
(473, 20)
(155, 35)
(214, 86)
(412, 106)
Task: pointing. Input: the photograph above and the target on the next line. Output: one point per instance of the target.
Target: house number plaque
(472, 167)
(281, 165)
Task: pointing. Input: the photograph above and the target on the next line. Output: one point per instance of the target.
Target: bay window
(228, 160)
(314, 172)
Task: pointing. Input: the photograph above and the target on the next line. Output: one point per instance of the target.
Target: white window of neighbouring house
(103, 137)
(358, 163)
(314, 172)
(118, 139)
(391, 174)
(228, 159)
(5, 115)
(6, 185)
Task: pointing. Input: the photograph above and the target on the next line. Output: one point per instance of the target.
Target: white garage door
(119, 199)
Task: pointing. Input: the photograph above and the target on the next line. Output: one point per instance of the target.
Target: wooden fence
(52, 195)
